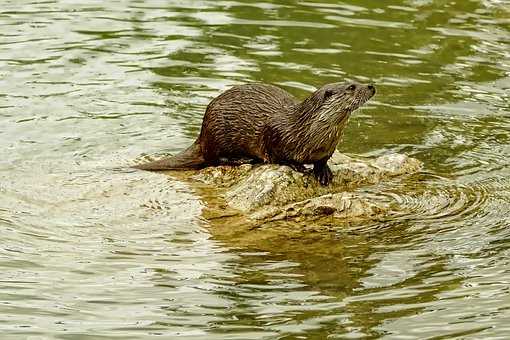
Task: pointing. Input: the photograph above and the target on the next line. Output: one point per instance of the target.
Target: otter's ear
(328, 93)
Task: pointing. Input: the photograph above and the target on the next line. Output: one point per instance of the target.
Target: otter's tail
(191, 158)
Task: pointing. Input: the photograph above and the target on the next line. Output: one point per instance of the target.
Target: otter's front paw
(299, 167)
(323, 174)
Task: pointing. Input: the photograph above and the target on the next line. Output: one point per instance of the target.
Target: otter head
(339, 100)
(334, 102)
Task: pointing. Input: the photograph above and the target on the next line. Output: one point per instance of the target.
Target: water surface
(90, 252)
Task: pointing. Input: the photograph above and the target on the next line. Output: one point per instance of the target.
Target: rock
(276, 192)
(397, 164)
(340, 205)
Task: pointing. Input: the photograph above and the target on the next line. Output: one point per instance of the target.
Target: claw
(323, 174)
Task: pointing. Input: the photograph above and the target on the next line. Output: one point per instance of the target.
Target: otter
(264, 123)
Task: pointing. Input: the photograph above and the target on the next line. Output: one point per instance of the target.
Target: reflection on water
(87, 251)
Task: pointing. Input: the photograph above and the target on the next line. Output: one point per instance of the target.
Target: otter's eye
(351, 87)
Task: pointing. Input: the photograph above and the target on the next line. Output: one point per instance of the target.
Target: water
(89, 252)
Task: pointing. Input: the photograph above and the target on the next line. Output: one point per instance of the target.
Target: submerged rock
(275, 192)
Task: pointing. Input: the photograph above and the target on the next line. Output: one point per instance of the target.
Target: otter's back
(235, 120)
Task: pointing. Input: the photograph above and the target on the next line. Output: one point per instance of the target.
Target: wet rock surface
(275, 192)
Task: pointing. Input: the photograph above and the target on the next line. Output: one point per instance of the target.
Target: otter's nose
(371, 88)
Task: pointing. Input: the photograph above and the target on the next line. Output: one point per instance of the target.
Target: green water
(91, 253)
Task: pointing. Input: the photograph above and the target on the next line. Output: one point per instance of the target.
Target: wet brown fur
(264, 123)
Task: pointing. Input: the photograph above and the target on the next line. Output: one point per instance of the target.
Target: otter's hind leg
(322, 171)
(296, 167)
